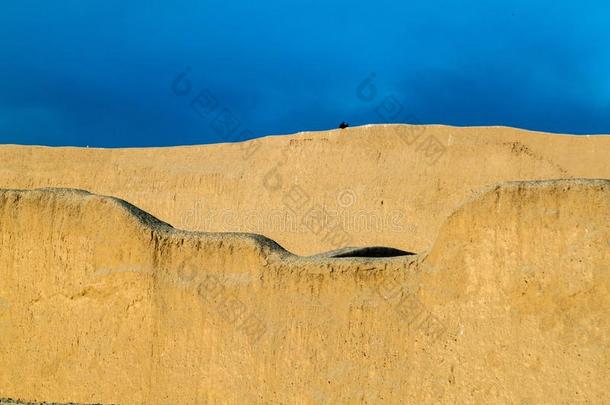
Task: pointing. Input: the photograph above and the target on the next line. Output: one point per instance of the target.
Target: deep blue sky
(100, 72)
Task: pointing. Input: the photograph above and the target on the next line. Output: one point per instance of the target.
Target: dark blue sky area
(103, 73)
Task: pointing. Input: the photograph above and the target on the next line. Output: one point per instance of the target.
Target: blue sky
(103, 73)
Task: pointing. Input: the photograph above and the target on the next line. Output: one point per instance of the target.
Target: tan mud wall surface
(106, 305)
(385, 184)
(506, 302)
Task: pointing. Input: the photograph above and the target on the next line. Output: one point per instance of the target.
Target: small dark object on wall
(343, 125)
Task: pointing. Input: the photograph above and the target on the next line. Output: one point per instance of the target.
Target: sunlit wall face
(137, 73)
